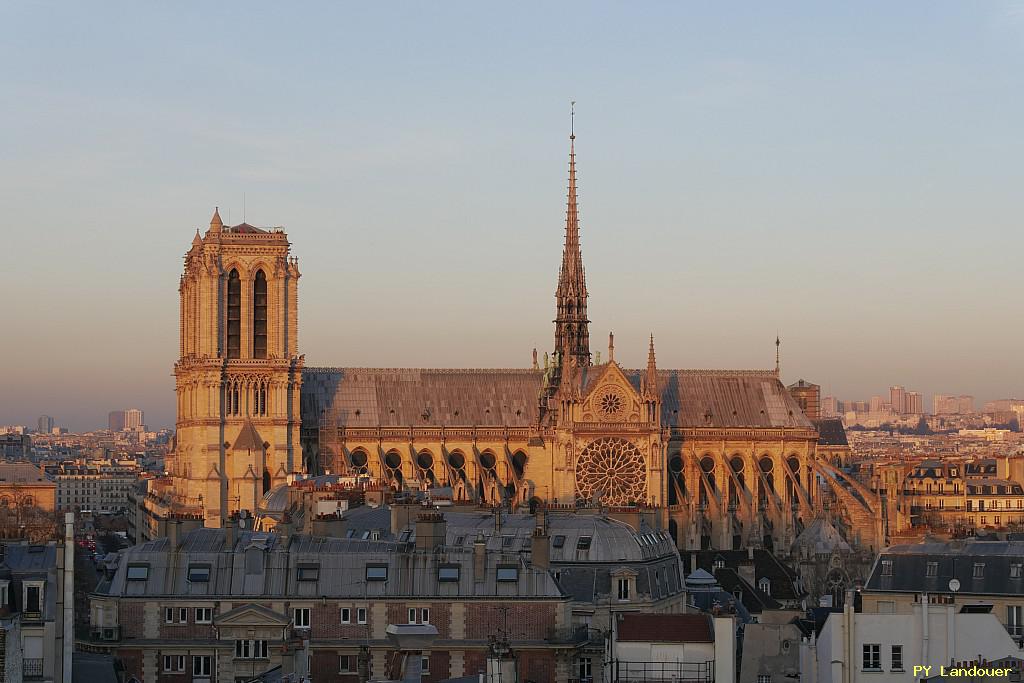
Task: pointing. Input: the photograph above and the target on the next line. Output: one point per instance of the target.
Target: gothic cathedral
(719, 458)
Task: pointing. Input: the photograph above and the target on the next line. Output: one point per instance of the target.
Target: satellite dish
(954, 585)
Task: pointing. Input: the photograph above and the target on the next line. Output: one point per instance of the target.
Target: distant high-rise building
(45, 425)
(830, 407)
(898, 399)
(965, 404)
(876, 404)
(133, 418)
(913, 403)
(115, 420)
(944, 404)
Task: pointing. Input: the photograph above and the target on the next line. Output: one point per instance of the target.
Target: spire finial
(777, 344)
(216, 223)
(572, 120)
(611, 347)
(650, 380)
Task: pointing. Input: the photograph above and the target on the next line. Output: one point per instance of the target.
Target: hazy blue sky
(847, 174)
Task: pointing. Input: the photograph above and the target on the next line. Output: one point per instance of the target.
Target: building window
(425, 665)
(346, 664)
(376, 572)
(234, 315)
(586, 671)
(886, 567)
(1015, 570)
(897, 657)
(33, 598)
(346, 615)
(309, 572)
(361, 615)
(251, 649)
(979, 570)
(174, 663)
(932, 569)
(507, 573)
(765, 585)
(583, 544)
(412, 615)
(199, 573)
(138, 572)
(872, 657)
(183, 615)
(168, 615)
(425, 615)
(202, 665)
(623, 589)
(764, 678)
(448, 573)
(301, 617)
(558, 541)
(1014, 623)
(259, 316)
(506, 541)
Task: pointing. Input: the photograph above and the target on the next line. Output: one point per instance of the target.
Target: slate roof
(954, 560)
(783, 579)
(666, 628)
(831, 432)
(369, 397)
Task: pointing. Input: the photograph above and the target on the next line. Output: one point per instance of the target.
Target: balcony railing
(658, 672)
(32, 668)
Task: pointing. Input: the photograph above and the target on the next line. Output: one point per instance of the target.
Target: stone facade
(239, 371)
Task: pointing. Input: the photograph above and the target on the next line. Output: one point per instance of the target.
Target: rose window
(612, 403)
(612, 469)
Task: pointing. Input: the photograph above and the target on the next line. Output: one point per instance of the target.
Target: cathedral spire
(650, 382)
(572, 336)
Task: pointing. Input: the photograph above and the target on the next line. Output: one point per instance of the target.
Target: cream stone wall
(238, 421)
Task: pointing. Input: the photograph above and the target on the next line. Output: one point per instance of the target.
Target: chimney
(401, 516)
(431, 530)
(497, 520)
(229, 533)
(284, 531)
(479, 558)
(540, 551)
(173, 525)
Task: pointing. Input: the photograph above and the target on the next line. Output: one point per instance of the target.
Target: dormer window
(507, 573)
(932, 569)
(308, 572)
(558, 541)
(719, 563)
(623, 588)
(979, 570)
(137, 572)
(583, 543)
(198, 573)
(886, 567)
(376, 572)
(765, 585)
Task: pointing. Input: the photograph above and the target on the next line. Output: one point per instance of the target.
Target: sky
(844, 175)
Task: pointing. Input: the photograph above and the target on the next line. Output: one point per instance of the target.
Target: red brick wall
(524, 621)
(475, 661)
(187, 630)
(535, 665)
(440, 666)
(325, 622)
(132, 660)
(129, 618)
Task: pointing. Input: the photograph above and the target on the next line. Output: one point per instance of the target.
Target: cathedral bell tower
(239, 372)
(572, 335)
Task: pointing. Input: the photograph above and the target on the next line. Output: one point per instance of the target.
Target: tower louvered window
(259, 316)
(234, 315)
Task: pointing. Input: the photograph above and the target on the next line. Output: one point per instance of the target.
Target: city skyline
(829, 217)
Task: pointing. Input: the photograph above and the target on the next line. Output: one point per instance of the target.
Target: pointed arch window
(234, 315)
(259, 315)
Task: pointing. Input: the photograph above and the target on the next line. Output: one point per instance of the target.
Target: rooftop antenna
(572, 120)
